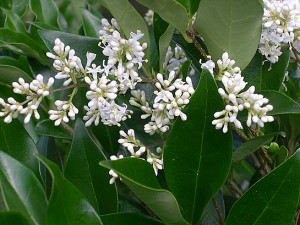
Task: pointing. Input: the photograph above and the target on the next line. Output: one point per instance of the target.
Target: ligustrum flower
(281, 26)
(237, 100)
(149, 17)
(35, 91)
(65, 109)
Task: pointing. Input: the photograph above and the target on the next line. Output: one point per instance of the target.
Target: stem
(192, 35)
(218, 211)
(239, 132)
(258, 165)
(297, 216)
(234, 187)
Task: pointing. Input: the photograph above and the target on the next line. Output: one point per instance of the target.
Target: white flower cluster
(136, 149)
(170, 98)
(236, 99)
(281, 25)
(125, 56)
(64, 109)
(149, 17)
(35, 91)
(65, 62)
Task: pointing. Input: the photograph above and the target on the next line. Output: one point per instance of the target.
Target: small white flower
(65, 110)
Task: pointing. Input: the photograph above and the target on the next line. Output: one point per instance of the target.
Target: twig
(234, 187)
(297, 217)
(218, 211)
(192, 35)
(239, 132)
(258, 165)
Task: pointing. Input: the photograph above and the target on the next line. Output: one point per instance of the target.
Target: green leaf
(170, 11)
(13, 21)
(130, 21)
(128, 219)
(22, 190)
(231, 26)
(47, 128)
(164, 43)
(281, 155)
(200, 168)
(19, 6)
(185, 68)
(67, 205)
(282, 104)
(11, 70)
(253, 72)
(91, 24)
(273, 74)
(139, 176)
(45, 10)
(267, 201)
(9, 218)
(23, 149)
(82, 169)
(191, 6)
(21, 43)
(80, 44)
(251, 146)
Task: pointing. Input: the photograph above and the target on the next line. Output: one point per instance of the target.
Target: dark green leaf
(46, 11)
(267, 201)
(11, 70)
(231, 26)
(91, 24)
(251, 146)
(282, 103)
(22, 191)
(83, 170)
(139, 176)
(186, 68)
(9, 218)
(281, 155)
(13, 21)
(23, 149)
(47, 128)
(67, 205)
(130, 21)
(253, 72)
(164, 43)
(170, 11)
(273, 74)
(80, 44)
(200, 168)
(129, 219)
(191, 6)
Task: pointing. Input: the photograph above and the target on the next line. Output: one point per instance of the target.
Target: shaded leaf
(67, 205)
(251, 146)
(91, 24)
(128, 219)
(22, 191)
(191, 6)
(139, 176)
(164, 43)
(200, 168)
(46, 11)
(9, 218)
(13, 21)
(47, 128)
(83, 170)
(267, 201)
(219, 23)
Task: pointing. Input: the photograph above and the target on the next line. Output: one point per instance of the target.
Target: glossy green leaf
(282, 104)
(22, 190)
(11, 70)
(267, 201)
(253, 72)
(67, 205)
(164, 43)
(13, 21)
(130, 21)
(83, 170)
(219, 23)
(128, 219)
(191, 6)
(91, 24)
(21, 43)
(273, 74)
(251, 146)
(23, 149)
(200, 168)
(47, 128)
(45, 10)
(170, 11)
(9, 218)
(139, 176)
(80, 44)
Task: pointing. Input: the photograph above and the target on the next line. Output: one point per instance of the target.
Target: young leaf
(200, 168)
(219, 23)
(267, 201)
(130, 21)
(128, 219)
(67, 205)
(139, 176)
(16, 142)
(91, 24)
(9, 218)
(22, 191)
(251, 146)
(82, 169)
(47, 128)
(170, 11)
(45, 10)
